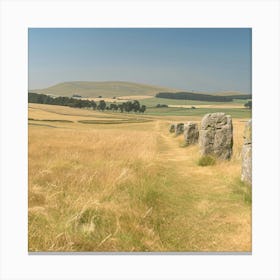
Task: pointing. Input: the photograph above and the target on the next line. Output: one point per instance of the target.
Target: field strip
(71, 114)
(96, 114)
(218, 106)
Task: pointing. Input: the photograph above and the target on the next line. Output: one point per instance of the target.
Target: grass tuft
(184, 145)
(243, 190)
(206, 161)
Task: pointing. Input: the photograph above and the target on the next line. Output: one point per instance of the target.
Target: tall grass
(206, 160)
(130, 187)
(89, 185)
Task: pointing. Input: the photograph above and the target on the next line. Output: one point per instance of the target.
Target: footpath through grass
(206, 208)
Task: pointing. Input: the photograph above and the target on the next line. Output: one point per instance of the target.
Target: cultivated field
(120, 182)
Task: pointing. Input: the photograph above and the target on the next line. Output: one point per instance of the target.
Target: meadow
(103, 181)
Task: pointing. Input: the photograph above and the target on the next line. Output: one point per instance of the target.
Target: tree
(128, 106)
(136, 106)
(121, 107)
(113, 107)
(102, 105)
(201, 97)
(161, 106)
(79, 103)
(142, 109)
(248, 104)
(82, 103)
(93, 105)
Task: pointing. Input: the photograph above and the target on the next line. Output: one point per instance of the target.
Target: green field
(234, 112)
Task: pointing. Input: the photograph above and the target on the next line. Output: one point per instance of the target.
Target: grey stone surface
(246, 171)
(179, 129)
(216, 135)
(191, 133)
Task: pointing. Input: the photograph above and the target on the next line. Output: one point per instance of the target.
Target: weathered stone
(216, 135)
(246, 171)
(248, 133)
(191, 133)
(179, 129)
(172, 128)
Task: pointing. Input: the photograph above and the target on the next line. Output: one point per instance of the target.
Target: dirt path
(172, 151)
(208, 215)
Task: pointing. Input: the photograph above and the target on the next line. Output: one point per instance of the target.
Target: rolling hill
(104, 89)
(115, 89)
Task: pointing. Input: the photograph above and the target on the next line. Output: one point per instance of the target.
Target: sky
(199, 59)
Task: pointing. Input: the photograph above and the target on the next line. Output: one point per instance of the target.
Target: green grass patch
(183, 145)
(234, 112)
(206, 161)
(242, 189)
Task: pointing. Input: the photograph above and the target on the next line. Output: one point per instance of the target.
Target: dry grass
(131, 187)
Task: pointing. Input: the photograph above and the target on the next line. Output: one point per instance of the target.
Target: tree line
(129, 106)
(248, 104)
(201, 97)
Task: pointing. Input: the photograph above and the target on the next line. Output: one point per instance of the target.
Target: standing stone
(179, 129)
(216, 135)
(246, 172)
(172, 128)
(191, 133)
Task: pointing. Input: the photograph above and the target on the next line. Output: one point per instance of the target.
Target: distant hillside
(201, 97)
(104, 89)
(193, 96)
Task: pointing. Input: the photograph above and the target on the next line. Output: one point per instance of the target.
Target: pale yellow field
(55, 112)
(218, 106)
(129, 187)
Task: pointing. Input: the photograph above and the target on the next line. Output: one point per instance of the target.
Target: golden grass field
(129, 186)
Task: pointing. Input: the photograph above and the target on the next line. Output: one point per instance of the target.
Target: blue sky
(202, 59)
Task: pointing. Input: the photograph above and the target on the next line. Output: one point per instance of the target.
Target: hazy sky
(203, 59)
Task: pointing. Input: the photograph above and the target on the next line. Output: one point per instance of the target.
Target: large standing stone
(179, 128)
(216, 135)
(191, 133)
(246, 172)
